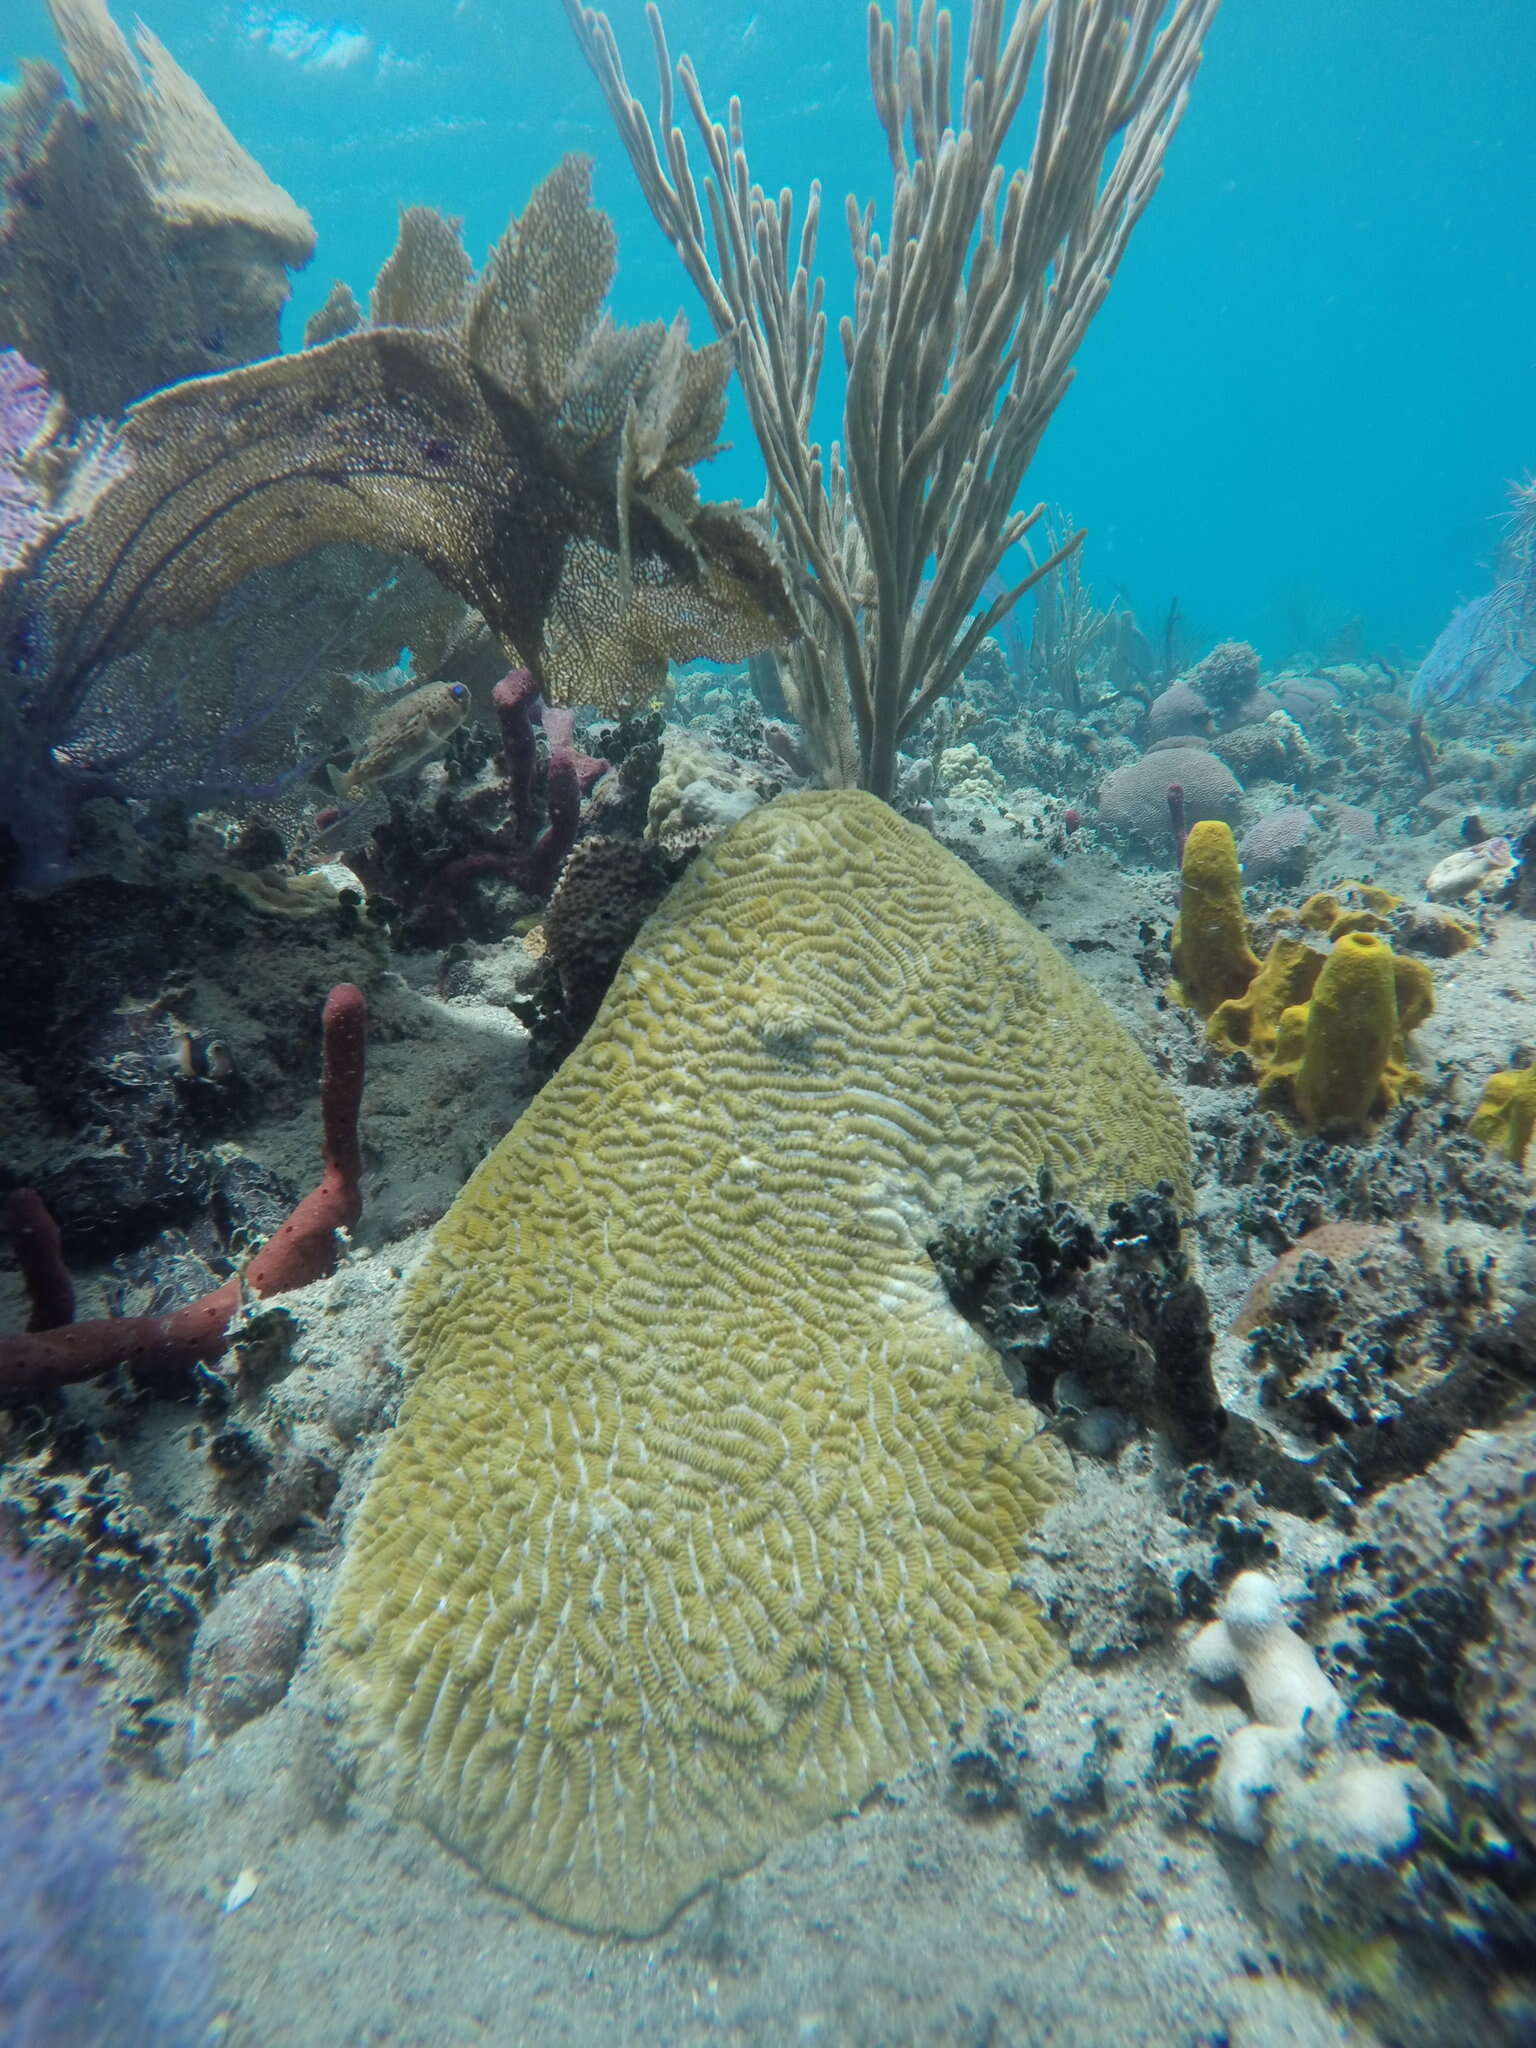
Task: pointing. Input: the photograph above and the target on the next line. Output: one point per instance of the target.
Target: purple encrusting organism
(23, 408)
(90, 1956)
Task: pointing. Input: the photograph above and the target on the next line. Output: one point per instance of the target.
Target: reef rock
(247, 1647)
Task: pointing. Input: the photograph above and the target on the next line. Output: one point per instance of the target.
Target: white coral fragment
(1368, 1808)
(1252, 1642)
(1295, 1704)
(1246, 1777)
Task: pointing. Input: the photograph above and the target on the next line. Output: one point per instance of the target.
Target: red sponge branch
(171, 1343)
(304, 1247)
(56, 1352)
(40, 1254)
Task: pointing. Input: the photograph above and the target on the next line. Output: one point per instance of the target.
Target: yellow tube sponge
(1506, 1116)
(1320, 913)
(1356, 921)
(1366, 909)
(1249, 1022)
(1211, 955)
(1338, 1061)
(1414, 987)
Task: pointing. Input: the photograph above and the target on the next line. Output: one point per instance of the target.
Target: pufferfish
(401, 736)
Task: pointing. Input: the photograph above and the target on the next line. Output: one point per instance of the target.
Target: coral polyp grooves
(689, 1395)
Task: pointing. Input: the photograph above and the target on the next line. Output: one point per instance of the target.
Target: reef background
(1314, 381)
(1055, 1871)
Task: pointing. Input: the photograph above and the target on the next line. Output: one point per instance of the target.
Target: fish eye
(459, 692)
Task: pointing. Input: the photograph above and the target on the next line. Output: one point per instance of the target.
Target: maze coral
(704, 1511)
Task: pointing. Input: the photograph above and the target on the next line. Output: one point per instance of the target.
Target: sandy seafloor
(1089, 1912)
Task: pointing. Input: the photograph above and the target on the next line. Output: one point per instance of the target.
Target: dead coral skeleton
(1363, 1807)
(142, 243)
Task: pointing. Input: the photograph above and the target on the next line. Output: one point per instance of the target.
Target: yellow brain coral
(703, 1508)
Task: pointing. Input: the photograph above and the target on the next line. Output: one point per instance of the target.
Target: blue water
(1309, 386)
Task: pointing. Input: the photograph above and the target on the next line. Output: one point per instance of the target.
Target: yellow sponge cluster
(704, 1507)
(1324, 1031)
(1505, 1118)
(1339, 1061)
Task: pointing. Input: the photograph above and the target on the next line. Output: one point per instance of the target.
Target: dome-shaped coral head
(1227, 676)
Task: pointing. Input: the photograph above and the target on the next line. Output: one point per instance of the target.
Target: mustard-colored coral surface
(704, 1504)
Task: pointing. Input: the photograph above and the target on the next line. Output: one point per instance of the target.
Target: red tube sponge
(56, 1352)
(40, 1254)
(304, 1247)
(170, 1343)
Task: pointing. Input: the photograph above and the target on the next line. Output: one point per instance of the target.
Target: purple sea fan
(1487, 651)
(23, 409)
(90, 1956)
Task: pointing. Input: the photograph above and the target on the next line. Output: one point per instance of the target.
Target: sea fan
(90, 1956)
(1487, 651)
(23, 408)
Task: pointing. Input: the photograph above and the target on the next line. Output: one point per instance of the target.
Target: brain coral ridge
(704, 1505)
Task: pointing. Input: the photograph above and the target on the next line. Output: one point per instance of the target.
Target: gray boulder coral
(1133, 800)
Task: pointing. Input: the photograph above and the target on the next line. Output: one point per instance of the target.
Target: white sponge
(1369, 1808)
